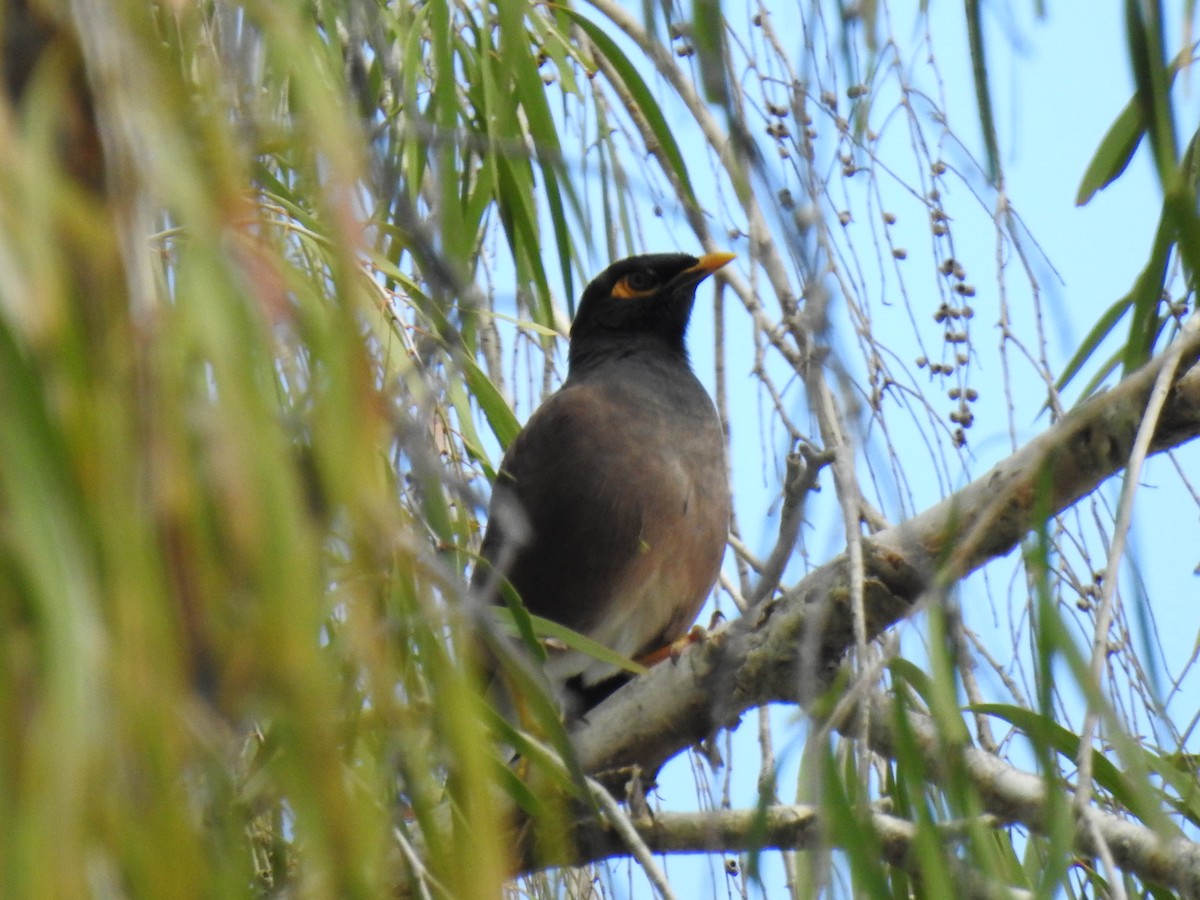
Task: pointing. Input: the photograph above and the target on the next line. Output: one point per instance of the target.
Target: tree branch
(753, 660)
(797, 827)
(804, 466)
(1017, 796)
(1010, 795)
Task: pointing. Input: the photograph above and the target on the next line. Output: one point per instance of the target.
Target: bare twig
(624, 828)
(803, 469)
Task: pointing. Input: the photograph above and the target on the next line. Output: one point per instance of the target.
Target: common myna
(610, 511)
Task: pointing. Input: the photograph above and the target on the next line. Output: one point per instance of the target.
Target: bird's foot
(674, 649)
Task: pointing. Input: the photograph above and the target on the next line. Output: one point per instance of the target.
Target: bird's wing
(569, 458)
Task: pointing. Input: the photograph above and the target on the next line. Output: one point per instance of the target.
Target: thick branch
(1017, 796)
(733, 831)
(753, 660)
(1009, 794)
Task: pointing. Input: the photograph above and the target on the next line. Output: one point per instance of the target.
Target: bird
(610, 509)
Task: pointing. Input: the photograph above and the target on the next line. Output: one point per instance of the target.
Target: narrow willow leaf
(519, 214)
(523, 324)
(1114, 153)
(1153, 77)
(459, 399)
(576, 641)
(1102, 375)
(1045, 732)
(983, 94)
(1145, 296)
(647, 105)
(852, 831)
(1092, 341)
(499, 415)
(572, 639)
(708, 27)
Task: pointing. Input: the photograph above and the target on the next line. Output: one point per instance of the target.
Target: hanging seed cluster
(790, 126)
(954, 314)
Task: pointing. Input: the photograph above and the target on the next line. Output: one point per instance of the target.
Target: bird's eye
(641, 280)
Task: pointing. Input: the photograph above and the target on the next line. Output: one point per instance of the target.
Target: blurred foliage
(231, 516)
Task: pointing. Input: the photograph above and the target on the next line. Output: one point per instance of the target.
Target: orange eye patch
(634, 285)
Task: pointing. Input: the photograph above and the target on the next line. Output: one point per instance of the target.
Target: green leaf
(1045, 732)
(647, 105)
(1117, 147)
(1092, 341)
(529, 749)
(1094, 383)
(523, 324)
(708, 31)
(575, 641)
(1144, 26)
(916, 677)
(497, 412)
(1114, 153)
(519, 214)
(1145, 296)
(851, 830)
(466, 425)
(1145, 326)
(983, 96)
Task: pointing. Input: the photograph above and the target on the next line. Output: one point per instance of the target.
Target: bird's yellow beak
(710, 262)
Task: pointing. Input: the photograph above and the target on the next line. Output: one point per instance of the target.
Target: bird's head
(641, 300)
